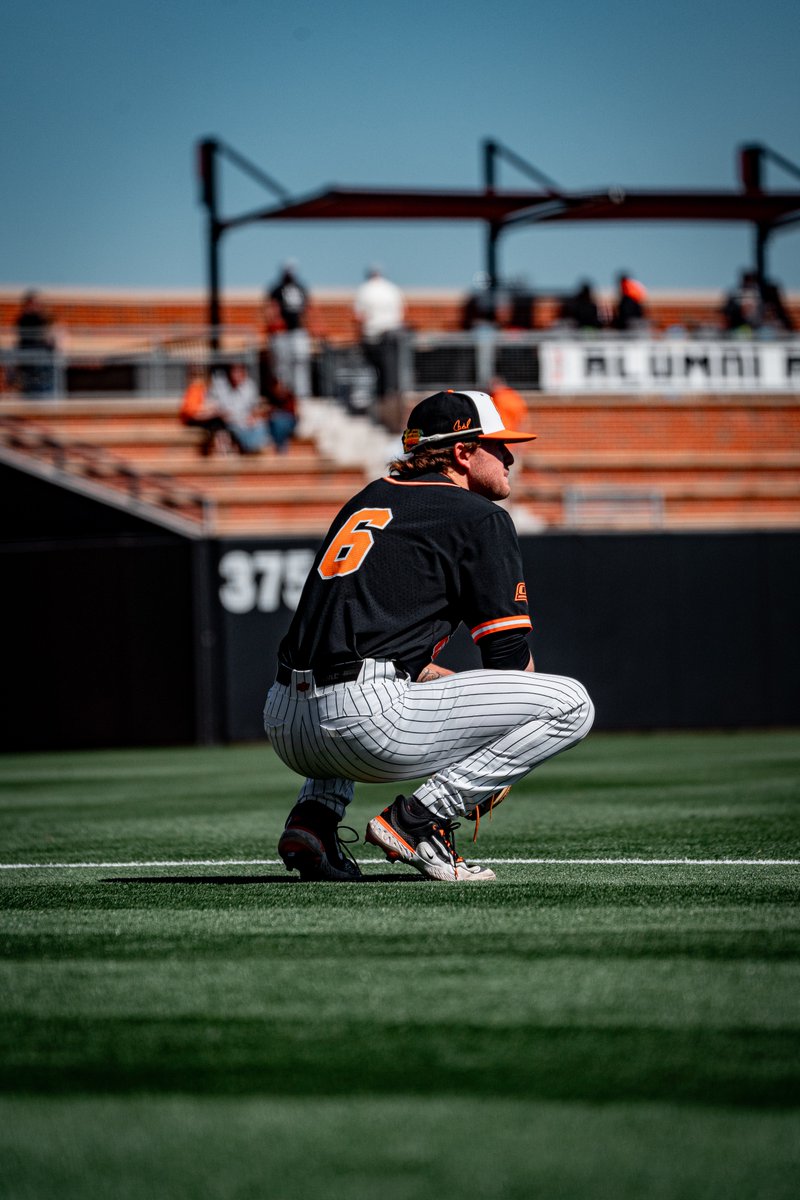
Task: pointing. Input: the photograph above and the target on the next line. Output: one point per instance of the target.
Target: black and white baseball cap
(449, 417)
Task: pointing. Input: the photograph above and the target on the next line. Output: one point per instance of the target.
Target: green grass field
(574, 1030)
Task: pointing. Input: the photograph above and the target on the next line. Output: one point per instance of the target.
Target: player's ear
(462, 452)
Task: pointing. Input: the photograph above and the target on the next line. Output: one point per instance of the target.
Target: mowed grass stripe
(315, 1148)
(634, 1024)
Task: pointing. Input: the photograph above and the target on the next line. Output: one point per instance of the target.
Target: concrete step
(302, 461)
(550, 513)
(268, 491)
(684, 483)
(659, 459)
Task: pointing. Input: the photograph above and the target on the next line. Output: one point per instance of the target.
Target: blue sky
(103, 103)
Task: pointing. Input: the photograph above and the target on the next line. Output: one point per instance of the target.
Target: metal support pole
(762, 236)
(214, 310)
(208, 153)
(490, 151)
(491, 257)
(489, 164)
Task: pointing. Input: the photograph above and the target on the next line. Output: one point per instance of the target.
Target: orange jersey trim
(418, 482)
(439, 647)
(500, 625)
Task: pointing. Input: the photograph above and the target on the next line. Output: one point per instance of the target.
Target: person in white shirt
(379, 309)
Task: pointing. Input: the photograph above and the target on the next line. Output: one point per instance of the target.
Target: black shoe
(409, 832)
(310, 844)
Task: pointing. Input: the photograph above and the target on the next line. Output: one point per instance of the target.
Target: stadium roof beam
(502, 211)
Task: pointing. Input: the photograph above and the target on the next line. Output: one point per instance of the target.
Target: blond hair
(426, 460)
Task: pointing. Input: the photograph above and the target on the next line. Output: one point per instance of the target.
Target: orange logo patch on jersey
(521, 593)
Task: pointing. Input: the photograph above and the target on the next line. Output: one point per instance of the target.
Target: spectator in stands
(743, 310)
(37, 343)
(756, 307)
(508, 403)
(380, 311)
(521, 309)
(280, 403)
(480, 307)
(282, 418)
(198, 412)
(580, 311)
(288, 302)
(629, 311)
(234, 396)
(776, 314)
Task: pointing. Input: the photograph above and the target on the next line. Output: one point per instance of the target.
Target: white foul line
(372, 862)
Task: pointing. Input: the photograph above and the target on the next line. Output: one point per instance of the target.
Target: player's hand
(431, 671)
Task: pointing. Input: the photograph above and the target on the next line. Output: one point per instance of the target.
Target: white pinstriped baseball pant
(471, 733)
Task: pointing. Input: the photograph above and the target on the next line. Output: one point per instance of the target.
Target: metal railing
(550, 361)
(607, 507)
(95, 463)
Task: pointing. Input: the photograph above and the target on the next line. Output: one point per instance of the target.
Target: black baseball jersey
(405, 562)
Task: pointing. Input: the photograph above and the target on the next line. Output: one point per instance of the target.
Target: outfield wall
(99, 633)
(666, 630)
(119, 632)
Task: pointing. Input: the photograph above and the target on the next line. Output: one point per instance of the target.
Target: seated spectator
(629, 311)
(197, 411)
(580, 311)
(280, 401)
(234, 396)
(282, 417)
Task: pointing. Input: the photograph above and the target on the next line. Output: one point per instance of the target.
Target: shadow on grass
(238, 880)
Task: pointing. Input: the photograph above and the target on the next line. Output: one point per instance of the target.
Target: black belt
(344, 673)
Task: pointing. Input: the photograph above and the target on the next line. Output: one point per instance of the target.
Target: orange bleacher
(714, 461)
(330, 313)
(140, 447)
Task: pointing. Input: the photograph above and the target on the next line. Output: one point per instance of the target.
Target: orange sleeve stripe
(500, 625)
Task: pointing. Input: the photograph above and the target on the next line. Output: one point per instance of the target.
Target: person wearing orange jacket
(197, 412)
(509, 403)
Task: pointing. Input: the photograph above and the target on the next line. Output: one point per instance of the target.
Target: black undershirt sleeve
(494, 594)
(505, 651)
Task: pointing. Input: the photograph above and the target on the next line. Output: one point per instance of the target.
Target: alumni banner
(606, 365)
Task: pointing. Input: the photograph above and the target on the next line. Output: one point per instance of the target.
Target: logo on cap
(411, 438)
(460, 426)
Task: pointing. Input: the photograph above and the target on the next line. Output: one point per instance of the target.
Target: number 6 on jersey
(353, 542)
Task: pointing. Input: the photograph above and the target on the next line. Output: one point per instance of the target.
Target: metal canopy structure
(398, 204)
(504, 210)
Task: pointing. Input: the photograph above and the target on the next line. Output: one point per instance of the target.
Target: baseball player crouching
(358, 694)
